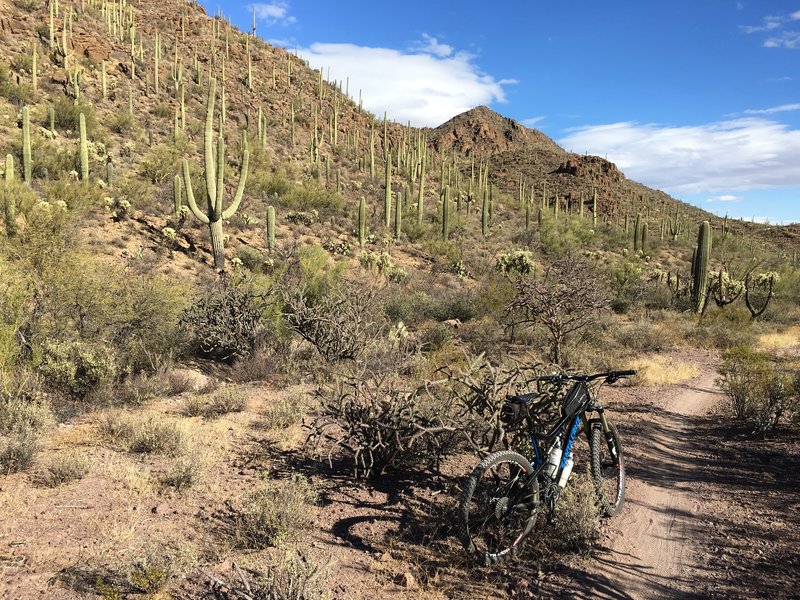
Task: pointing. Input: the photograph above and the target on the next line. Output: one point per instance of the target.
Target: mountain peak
(482, 131)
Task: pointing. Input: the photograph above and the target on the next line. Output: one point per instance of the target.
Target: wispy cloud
(725, 198)
(779, 36)
(773, 110)
(432, 45)
(427, 85)
(273, 13)
(722, 157)
(786, 39)
(532, 121)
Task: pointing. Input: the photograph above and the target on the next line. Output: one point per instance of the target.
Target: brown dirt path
(653, 549)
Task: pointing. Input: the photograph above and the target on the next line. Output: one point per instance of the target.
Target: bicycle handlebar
(610, 376)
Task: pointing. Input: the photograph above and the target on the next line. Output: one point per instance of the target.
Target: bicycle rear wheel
(608, 469)
(498, 507)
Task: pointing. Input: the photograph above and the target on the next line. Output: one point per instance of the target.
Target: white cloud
(272, 13)
(773, 110)
(775, 23)
(422, 86)
(726, 156)
(532, 121)
(432, 46)
(725, 198)
(786, 39)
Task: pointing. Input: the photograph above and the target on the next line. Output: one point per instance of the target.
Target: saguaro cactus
(362, 222)
(446, 213)
(485, 213)
(387, 201)
(675, 225)
(177, 184)
(700, 267)
(271, 228)
(84, 150)
(27, 168)
(215, 182)
(398, 215)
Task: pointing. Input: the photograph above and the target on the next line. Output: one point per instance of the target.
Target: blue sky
(700, 98)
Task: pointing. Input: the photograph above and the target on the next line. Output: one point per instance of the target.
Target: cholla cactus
(516, 261)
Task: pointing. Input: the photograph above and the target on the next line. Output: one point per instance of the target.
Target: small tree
(565, 299)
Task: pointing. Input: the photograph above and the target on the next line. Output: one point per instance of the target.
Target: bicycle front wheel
(498, 507)
(608, 469)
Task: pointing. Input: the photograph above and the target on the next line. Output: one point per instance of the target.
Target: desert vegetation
(239, 362)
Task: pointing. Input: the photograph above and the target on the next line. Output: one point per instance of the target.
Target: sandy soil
(710, 512)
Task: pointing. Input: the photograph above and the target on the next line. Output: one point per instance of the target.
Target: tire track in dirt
(654, 547)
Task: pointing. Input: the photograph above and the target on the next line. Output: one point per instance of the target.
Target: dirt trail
(653, 547)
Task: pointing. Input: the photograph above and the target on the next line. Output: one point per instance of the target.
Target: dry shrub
(176, 383)
(185, 472)
(276, 514)
(157, 569)
(18, 451)
(577, 523)
(294, 576)
(663, 370)
(64, 468)
(286, 410)
(225, 400)
(145, 434)
(380, 424)
(24, 415)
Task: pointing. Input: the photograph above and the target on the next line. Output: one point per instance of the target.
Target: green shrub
(252, 259)
(626, 285)
(67, 113)
(310, 196)
(76, 368)
(123, 122)
(758, 389)
(24, 414)
(161, 162)
(19, 94)
(77, 196)
(566, 235)
(420, 306)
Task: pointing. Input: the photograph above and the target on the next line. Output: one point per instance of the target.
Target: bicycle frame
(570, 424)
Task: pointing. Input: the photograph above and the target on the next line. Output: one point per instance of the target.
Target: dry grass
(228, 399)
(63, 468)
(663, 370)
(774, 342)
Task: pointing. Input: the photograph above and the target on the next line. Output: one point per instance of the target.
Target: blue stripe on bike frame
(568, 447)
(537, 458)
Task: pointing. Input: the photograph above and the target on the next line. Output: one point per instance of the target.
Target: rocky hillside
(140, 72)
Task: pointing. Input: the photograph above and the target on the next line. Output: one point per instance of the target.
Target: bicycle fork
(612, 448)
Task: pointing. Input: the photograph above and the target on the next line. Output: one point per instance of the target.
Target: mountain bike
(502, 498)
